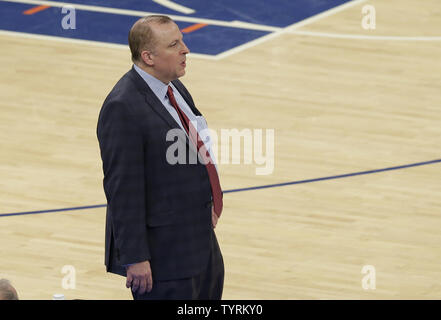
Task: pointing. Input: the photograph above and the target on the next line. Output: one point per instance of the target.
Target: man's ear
(147, 57)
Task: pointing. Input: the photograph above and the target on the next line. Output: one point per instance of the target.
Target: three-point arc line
(250, 188)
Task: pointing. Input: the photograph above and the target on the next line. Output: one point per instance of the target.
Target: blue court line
(251, 188)
(52, 210)
(336, 177)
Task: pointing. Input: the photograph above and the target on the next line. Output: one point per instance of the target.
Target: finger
(142, 285)
(149, 283)
(129, 280)
(135, 285)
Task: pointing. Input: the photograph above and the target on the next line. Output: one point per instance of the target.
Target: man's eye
(173, 44)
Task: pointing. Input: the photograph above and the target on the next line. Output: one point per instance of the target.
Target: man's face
(170, 52)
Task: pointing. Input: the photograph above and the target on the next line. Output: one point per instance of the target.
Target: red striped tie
(203, 152)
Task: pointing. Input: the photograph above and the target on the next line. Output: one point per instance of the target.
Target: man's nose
(185, 49)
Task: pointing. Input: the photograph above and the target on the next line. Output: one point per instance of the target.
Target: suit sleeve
(122, 152)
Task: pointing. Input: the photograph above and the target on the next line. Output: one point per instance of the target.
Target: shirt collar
(158, 87)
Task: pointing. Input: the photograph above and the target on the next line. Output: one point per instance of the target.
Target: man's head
(157, 47)
(7, 291)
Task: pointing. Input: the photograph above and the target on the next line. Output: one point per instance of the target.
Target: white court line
(289, 28)
(363, 37)
(136, 13)
(275, 31)
(174, 6)
(88, 42)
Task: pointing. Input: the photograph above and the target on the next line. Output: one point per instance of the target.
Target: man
(7, 291)
(160, 214)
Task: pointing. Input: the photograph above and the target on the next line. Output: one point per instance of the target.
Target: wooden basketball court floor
(340, 99)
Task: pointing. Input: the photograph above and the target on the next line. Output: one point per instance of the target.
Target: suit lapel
(152, 100)
(184, 93)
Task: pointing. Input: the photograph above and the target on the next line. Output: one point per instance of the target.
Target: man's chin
(181, 74)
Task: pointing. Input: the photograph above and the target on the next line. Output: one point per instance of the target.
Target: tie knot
(170, 92)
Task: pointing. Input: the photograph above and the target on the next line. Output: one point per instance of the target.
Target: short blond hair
(141, 35)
